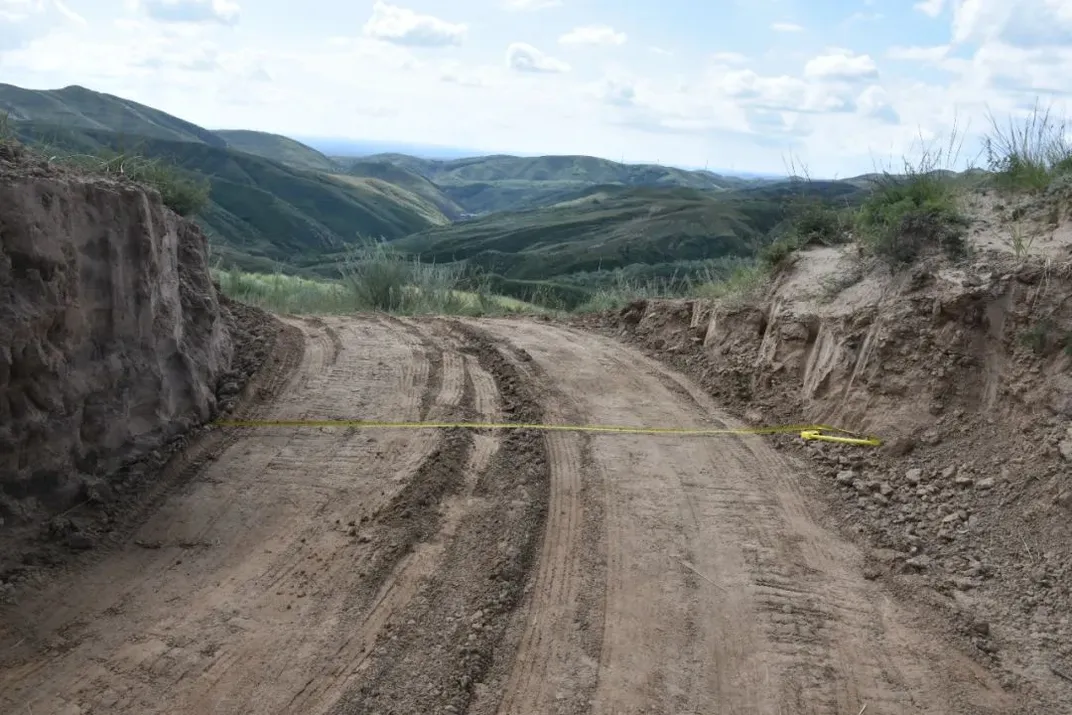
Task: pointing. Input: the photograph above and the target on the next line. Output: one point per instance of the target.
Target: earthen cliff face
(111, 334)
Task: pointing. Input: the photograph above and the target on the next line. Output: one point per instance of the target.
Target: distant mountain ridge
(277, 203)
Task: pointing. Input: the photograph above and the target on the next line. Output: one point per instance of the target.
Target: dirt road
(330, 570)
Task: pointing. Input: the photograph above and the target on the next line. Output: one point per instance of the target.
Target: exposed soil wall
(112, 339)
(966, 372)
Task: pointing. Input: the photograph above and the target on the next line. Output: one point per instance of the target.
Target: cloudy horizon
(841, 88)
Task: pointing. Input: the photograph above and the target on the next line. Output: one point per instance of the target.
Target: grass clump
(1028, 155)
(811, 220)
(183, 192)
(282, 293)
(909, 214)
(380, 278)
(622, 290)
(742, 282)
(375, 278)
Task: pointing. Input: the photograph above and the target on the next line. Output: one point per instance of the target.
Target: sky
(833, 87)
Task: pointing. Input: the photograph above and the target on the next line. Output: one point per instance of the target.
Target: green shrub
(742, 282)
(182, 191)
(907, 215)
(776, 255)
(378, 277)
(817, 223)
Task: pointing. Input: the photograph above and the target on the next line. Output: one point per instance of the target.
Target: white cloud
(403, 26)
(455, 72)
(617, 92)
(593, 35)
(1026, 23)
(23, 20)
(863, 17)
(786, 27)
(68, 13)
(874, 102)
(931, 8)
(19, 10)
(521, 57)
(782, 93)
(729, 58)
(919, 54)
(532, 4)
(841, 64)
(193, 11)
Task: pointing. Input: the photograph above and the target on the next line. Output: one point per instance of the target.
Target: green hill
(262, 213)
(488, 184)
(407, 179)
(585, 170)
(603, 229)
(528, 221)
(276, 147)
(273, 200)
(80, 108)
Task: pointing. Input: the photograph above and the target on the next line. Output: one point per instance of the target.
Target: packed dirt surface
(965, 370)
(112, 339)
(345, 570)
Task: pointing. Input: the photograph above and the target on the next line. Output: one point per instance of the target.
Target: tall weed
(909, 213)
(1028, 155)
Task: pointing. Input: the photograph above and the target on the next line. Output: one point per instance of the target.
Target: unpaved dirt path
(330, 570)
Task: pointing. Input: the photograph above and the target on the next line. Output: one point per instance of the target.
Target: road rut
(337, 570)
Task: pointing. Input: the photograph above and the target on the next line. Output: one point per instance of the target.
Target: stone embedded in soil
(914, 476)
(919, 563)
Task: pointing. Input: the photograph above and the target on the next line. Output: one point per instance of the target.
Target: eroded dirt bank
(337, 570)
(966, 371)
(112, 340)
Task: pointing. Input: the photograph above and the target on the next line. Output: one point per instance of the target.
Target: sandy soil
(319, 570)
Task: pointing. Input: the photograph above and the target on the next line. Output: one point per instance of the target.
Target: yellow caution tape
(807, 432)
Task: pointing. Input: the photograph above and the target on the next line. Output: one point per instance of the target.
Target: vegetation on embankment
(374, 278)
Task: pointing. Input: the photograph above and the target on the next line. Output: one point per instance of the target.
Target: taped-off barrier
(812, 432)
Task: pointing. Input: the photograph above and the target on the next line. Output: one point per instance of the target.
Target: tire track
(456, 621)
(408, 534)
(554, 670)
(722, 594)
(351, 571)
(236, 624)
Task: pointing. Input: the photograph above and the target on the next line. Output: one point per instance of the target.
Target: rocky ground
(965, 371)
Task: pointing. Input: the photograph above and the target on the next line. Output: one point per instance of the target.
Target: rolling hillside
(610, 227)
(406, 179)
(277, 203)
(489, 184)
(585, 170)
(263, 214)
(273, 200)
(277, 148)
(80, 108)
